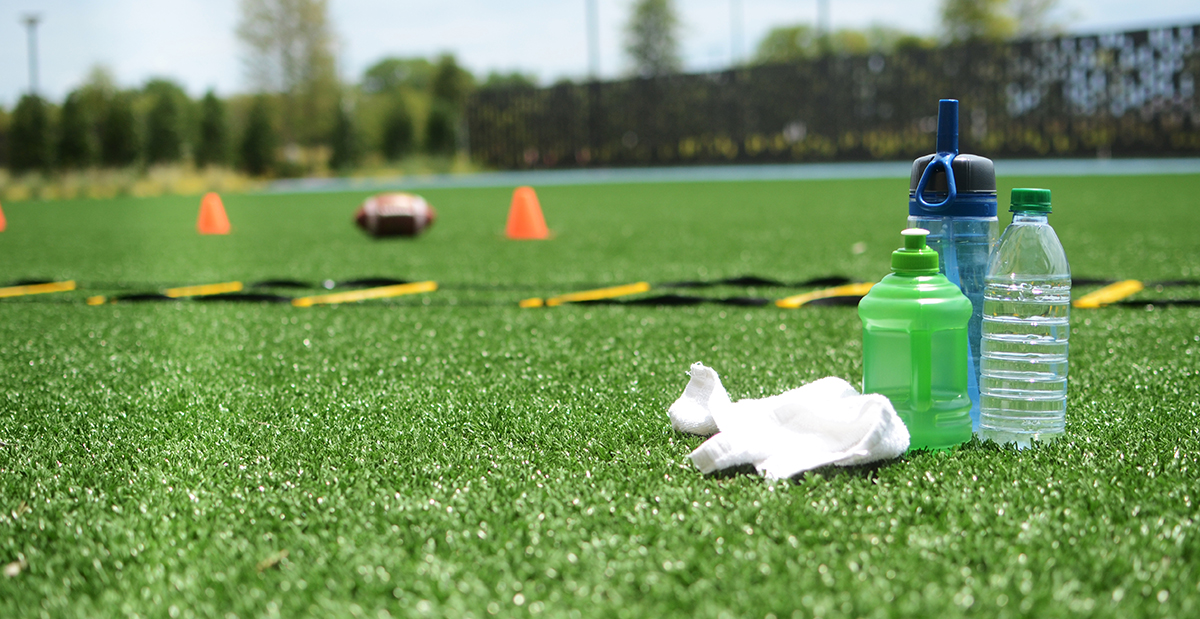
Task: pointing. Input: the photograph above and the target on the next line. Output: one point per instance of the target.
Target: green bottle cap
(1036, 200)
(915, 256)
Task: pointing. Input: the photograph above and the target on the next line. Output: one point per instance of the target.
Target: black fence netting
(1120, 94)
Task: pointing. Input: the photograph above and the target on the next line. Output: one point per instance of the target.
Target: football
(395, 214)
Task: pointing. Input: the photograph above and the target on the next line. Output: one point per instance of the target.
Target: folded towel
(824, 422)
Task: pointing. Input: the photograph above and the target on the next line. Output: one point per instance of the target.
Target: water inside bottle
(964, 246)
(1023, 384)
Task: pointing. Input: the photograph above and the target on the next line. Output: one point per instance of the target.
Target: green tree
(76, 133)
(344, 141)
(849, 42)
(30, 146)
(164, 122)
(787, 44)
(977, 20)
(213, 145)
(440, 133)
(651, 38)
(118, 133)
(399, 134)
(801, 41)
(449, 89)
(886, 39)
(100, 84)
(451, 84)
(289, 50)
(259, 139)
(516, 79)
(95, 96)
(391, 74)
(1035, 17)
(5, 136)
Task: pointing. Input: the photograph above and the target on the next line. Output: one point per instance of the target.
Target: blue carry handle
(947, 149)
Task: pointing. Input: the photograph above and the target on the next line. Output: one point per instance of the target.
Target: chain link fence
(1120, 95)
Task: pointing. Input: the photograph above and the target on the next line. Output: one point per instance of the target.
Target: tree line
(304, 119)
(652, 33)
(400, 108)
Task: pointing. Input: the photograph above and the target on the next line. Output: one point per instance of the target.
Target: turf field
(450, 454)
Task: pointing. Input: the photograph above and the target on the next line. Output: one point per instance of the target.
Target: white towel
(824, 422)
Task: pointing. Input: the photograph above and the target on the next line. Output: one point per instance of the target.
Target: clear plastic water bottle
(1026, 308)
(953, 196)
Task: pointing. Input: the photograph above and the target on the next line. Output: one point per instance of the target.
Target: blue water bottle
(953, 196)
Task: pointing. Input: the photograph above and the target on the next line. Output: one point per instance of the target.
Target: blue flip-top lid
(947, 184)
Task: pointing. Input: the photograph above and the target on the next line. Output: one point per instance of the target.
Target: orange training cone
(3, 222)
(212, 215)
(525, 220)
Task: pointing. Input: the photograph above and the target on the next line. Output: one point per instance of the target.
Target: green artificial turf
(454, 455)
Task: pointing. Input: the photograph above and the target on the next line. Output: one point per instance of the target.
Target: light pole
(823, 25)
(31, 22)
(735, 32)
(593, 37)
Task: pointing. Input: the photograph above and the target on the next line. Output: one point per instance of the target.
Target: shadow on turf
(870, 470)
(865, 471)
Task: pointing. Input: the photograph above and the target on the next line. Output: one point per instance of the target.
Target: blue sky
(193, 41)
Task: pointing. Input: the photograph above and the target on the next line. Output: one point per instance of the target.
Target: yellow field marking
(97, 300)
(203, 290)
(20, 291)
(534, 302)
(599, 293)
(1109, 294)
(849, 290)
(362, 295)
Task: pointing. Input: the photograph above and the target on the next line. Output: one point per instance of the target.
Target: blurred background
(132, 98)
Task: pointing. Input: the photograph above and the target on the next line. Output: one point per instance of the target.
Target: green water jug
(915, 346)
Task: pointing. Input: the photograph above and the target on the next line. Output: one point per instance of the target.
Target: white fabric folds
(824, 422)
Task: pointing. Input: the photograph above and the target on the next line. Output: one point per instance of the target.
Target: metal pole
(31, 21)
(823, 27)
(593, 89)
(735, 32)
(593, 35)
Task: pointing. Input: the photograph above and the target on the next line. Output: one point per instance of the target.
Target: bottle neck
(1029, 217)
(914, 273)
